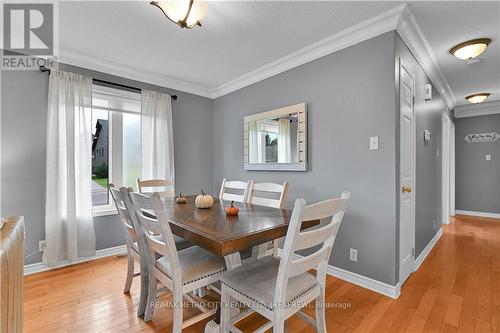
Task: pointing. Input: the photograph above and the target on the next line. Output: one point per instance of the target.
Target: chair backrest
(123, 212)
(237, 185)
(151, 218)
(297, 240)
(280, 190)
(163, 187)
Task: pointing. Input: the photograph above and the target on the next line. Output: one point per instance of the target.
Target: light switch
(374, 143)
(488, 157)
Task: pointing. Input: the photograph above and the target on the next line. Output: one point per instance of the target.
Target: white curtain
(69, 230)
(157, 143)
(256, 142)
(284, 143)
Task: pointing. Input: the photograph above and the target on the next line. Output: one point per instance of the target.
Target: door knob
(406, 189)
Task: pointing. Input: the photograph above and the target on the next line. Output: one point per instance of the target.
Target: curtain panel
(157, 140)
(69, 229)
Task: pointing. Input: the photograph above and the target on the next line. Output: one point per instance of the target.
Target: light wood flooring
(457, 289)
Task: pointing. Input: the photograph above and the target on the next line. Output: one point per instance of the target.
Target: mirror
(276, 139)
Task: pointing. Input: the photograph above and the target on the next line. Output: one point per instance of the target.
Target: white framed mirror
(276, 139)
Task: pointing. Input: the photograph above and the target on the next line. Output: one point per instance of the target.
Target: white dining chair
(133, 253)
(163, 187)
(183, 271)
(269, 195)
(278, 289)
(234, 185)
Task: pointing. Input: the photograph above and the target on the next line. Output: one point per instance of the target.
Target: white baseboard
(362, 281)
(420, 259)
(41, 267)
(480, 214)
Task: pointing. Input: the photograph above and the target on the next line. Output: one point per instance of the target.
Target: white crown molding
(428, 249)
(41, 267)
(71, 58)
(479, 214)
(479, 109)
(365, 30)
(412, 34)
(359, 280)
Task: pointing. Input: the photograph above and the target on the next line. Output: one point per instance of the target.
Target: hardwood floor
(457, 289)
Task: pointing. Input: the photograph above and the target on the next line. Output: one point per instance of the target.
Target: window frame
(115, 147)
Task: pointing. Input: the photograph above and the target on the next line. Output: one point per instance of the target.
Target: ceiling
(239, 37)
(446, 24)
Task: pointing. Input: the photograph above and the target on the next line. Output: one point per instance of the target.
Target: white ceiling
(239, 37)
(446, 24)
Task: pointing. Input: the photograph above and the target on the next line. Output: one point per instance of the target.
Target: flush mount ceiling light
(185, 13)
(470, 49)
(477, 98)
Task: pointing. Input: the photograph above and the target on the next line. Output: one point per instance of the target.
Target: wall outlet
(353, 255)
(42, 245)
(434, 224)
(488, 157)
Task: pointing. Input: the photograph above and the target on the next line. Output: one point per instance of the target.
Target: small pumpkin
(181, 199)
(231, 210)
(204, 200)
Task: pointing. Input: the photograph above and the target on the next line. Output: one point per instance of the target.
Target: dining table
(227, 235)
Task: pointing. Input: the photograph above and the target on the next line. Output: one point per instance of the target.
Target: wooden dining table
(225, 235)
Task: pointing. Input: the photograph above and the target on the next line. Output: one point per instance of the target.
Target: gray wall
(477, 180)
(428, 156)
(350, 96)
(23, 140)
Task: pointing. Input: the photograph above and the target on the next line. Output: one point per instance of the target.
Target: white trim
(412, 34)
(479, 109)
(365, 30)
(41, 267)
(361, 280)
(428, 249)
(479, 214)
(80, 60)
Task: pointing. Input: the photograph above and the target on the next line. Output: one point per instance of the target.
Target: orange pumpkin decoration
(181, 199)
(231, 210)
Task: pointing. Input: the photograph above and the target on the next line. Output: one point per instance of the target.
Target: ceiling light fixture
(470, 49)
(477, 98)
(185, 13)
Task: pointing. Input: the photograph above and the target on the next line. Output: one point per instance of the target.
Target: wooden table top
(222, 235)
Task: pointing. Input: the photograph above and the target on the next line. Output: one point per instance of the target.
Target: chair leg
(150, 305)
(130, 274)
(143, 296)
(177, 327)
(225, 311)
(320, 313)
(276, 244)
(279, 326)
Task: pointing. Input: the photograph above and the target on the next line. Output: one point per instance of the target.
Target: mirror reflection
(273, 140)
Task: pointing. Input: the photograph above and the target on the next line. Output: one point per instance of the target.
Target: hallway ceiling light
(184, 13)
(477, 98)
(470, 49)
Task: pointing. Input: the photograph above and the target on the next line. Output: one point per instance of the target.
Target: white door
(407, 174)
(452, 169)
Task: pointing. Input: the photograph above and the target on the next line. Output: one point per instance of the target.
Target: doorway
(448, 169)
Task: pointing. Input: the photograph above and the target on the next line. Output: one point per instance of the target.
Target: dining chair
(133, 253)
(163, 187)
(262, 194)
(183, 271)
(234, 185)
(278, 289)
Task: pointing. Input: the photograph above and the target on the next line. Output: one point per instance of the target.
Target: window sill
(105, 212)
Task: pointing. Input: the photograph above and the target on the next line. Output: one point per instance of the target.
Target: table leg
(232, 261)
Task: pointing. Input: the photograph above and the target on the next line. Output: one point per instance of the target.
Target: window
(116, 137)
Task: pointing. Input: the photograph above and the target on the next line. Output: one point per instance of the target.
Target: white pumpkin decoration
(204, 200)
